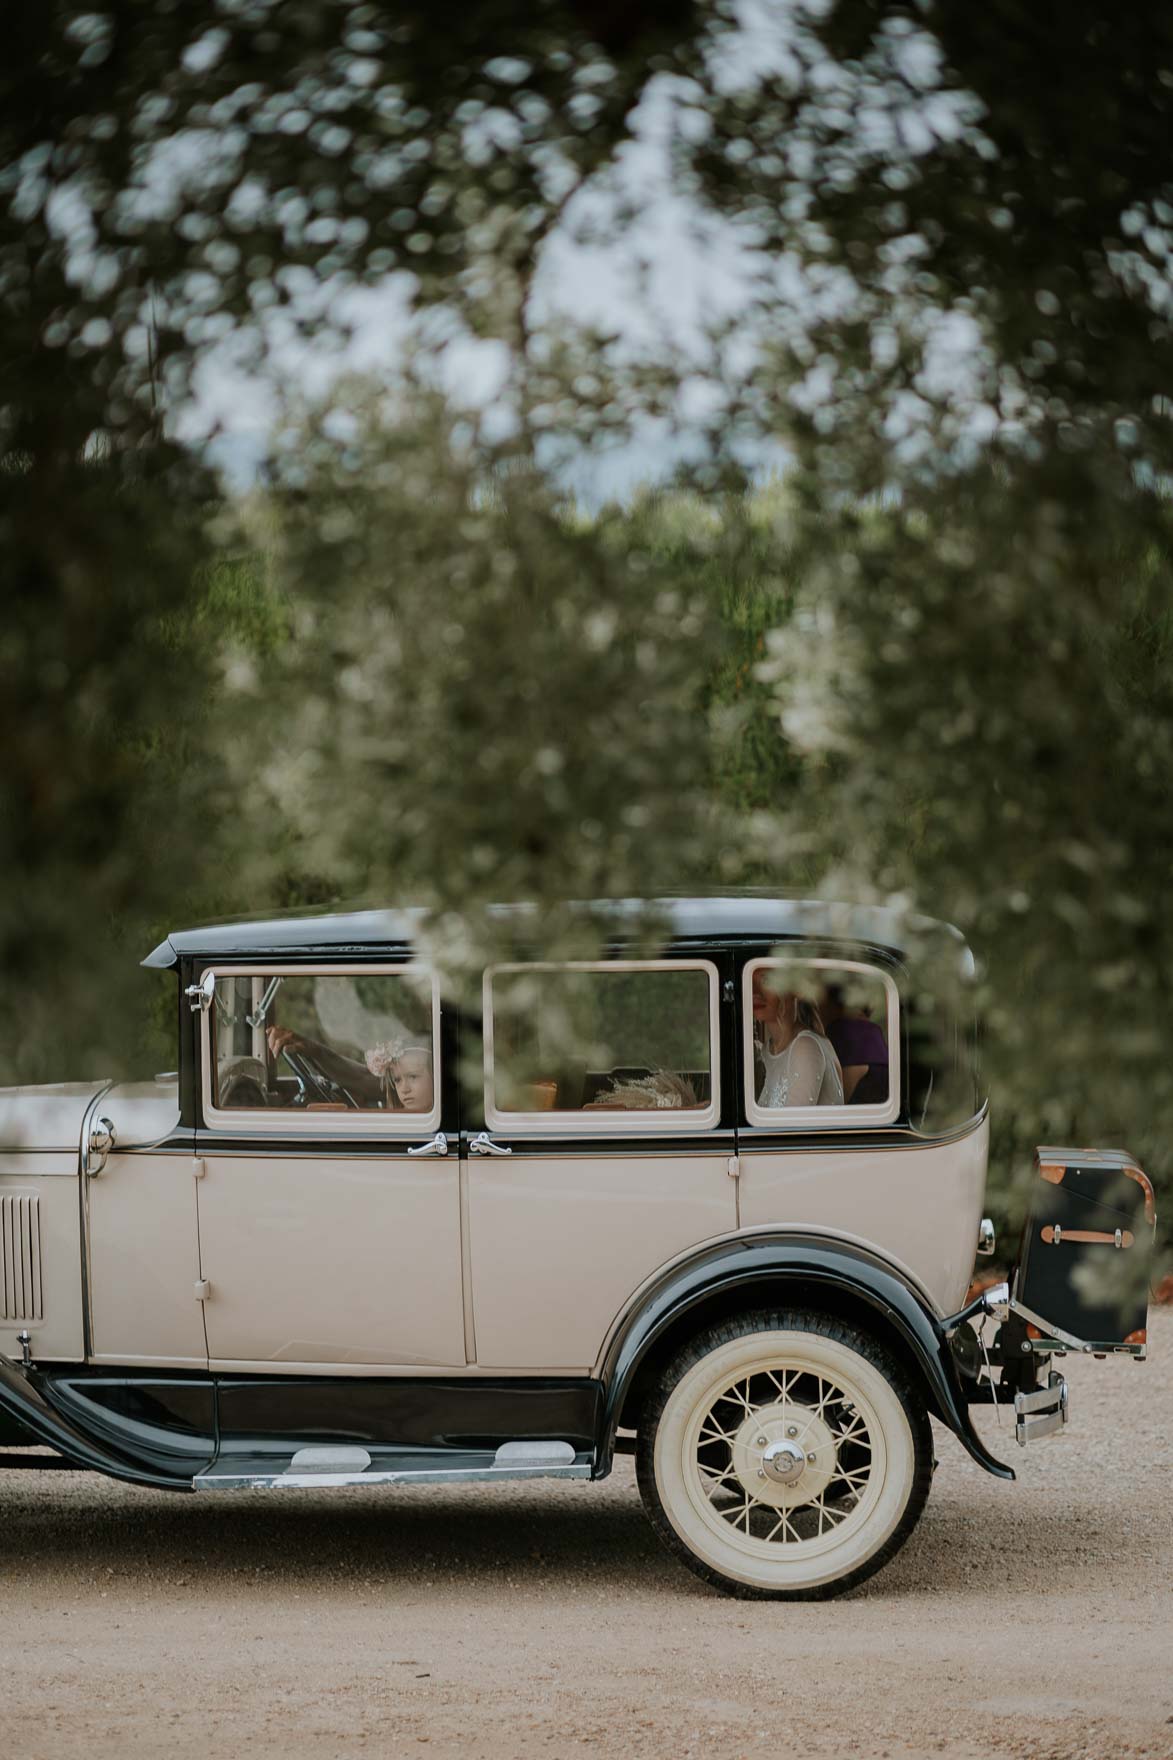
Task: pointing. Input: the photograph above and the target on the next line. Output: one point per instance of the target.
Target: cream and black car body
(598, 1222)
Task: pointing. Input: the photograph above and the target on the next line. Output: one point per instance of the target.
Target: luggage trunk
(1087, 1249)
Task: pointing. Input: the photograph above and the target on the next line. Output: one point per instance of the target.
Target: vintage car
(712, 1197)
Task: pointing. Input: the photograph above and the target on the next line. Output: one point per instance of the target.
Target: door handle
(100, 1142)
(437, 1145)
(483, 1144)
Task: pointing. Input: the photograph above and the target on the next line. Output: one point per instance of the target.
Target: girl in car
(406, 1074)
(395, 1075)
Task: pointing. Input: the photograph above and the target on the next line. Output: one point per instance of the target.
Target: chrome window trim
(262, 1122)
(655, 1121)
(847, 1117)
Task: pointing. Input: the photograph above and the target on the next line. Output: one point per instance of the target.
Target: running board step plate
(329, 1460)
(324, 1467)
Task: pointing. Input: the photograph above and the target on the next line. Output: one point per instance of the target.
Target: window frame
(617, 1122)
(967, 1056)
(286, 1121)
(802, 1118)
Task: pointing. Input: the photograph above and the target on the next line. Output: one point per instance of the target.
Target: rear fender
(799, 1270)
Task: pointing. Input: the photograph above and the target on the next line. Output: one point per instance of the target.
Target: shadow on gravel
(303, 1540)
(578, 1538)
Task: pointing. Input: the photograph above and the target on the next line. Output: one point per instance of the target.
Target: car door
(847, 1160)
(329, 1210)
(604, 1149)
(142, 1283)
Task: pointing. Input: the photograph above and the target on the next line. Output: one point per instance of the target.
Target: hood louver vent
(20, 1258)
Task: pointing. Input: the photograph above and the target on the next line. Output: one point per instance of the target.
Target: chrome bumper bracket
(1043, 1412)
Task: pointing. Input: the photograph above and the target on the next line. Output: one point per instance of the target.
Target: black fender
(810, 1271)
(22, 1398)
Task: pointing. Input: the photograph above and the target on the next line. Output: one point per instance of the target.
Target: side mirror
(202, 995)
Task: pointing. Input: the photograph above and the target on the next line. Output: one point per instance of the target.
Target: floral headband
(380, 1058)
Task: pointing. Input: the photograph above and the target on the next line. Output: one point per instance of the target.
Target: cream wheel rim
(784, 1459)
(804, 1460)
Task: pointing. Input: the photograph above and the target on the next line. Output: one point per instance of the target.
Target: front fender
(809, 1271)
(22, 1399)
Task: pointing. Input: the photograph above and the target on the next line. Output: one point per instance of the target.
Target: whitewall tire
(784, 1454)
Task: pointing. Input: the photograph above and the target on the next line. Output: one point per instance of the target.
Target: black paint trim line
(761, 1139)
(301, 1148)
(662, 1146)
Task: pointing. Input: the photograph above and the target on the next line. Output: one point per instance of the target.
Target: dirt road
(1031, 1620)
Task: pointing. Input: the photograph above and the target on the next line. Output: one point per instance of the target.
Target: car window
(944, 1075)
(321, 1042)
(820, 1035)
(602, 1041)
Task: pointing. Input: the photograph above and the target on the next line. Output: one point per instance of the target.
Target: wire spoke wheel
(784, 1454)
(788, 1456)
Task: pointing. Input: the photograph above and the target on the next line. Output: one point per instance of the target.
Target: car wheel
(784, 1454)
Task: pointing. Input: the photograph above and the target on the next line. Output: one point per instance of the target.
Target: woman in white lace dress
(801, 1068)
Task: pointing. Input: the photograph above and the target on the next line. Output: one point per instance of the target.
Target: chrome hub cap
(783, 1455)
(783, 1463)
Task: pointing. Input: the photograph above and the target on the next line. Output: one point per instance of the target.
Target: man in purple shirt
(861, 1048)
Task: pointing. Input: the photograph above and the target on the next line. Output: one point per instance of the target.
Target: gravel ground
(1031, 1620)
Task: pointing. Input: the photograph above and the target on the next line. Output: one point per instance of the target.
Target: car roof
(719, 916)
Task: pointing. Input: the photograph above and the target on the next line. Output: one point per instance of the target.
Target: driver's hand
(281, 1038)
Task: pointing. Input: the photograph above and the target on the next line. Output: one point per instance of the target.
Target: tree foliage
(958, 231)
(170, 175)
(169, 172)
(483, 697)
(977, 214)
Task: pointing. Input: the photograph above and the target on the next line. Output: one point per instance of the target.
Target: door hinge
(733, 1167)
(198, 1167)
(203, 1289)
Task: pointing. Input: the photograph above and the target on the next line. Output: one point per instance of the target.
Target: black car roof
(748, 915)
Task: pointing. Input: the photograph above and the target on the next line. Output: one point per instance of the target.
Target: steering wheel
(312, 1081)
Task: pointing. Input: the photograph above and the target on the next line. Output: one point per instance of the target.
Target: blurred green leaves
(483, 696)
(934, 664)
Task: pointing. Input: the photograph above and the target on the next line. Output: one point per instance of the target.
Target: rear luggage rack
(1043, 1336)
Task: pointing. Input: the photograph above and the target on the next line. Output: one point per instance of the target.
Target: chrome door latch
(437, 1145)
(102, 1139)
(483, 1144)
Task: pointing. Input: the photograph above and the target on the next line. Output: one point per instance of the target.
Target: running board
(328, 1468)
